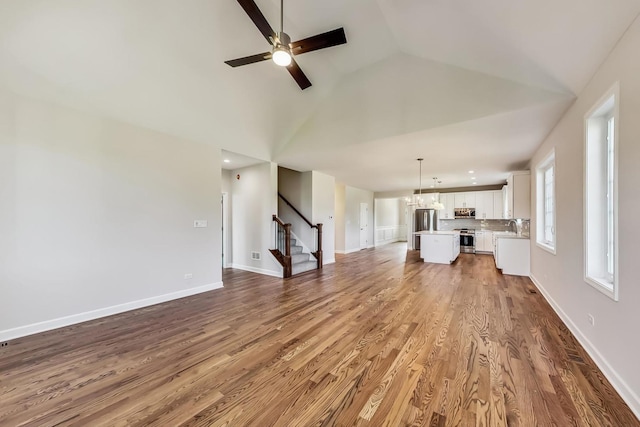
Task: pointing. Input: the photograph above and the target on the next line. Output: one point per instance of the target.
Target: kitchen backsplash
(479, 224)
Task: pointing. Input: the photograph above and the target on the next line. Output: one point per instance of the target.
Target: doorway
(225, 219)
(364, 225)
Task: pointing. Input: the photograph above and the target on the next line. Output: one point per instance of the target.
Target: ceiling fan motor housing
(283, 40)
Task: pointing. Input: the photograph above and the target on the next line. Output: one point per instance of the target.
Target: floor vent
(532, 291)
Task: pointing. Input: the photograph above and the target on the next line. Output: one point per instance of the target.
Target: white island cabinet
(441, 247)
(512, 254)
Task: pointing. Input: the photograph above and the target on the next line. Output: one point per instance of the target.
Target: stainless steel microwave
(461, 213)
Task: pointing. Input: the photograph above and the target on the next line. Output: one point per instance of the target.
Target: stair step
(296, 249)
(300, 257)
(303, 266)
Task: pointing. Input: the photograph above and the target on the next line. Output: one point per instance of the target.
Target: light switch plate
(200, 223)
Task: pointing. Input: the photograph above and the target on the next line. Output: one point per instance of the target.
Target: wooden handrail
(297, 211)
(278, 220)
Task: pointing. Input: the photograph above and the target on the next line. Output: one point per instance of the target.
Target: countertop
(442, 232)
(509, 235)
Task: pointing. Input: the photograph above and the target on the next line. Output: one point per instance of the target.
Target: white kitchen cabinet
(484, 241)
(447, 200)
(498, 205)
(465, 200)
(512, 255)
(517, 195)
(439, 247)
(484, 205)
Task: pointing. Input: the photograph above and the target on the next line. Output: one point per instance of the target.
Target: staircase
(301, 261)
(289, 253)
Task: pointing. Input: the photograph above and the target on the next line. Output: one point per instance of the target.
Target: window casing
(546, 204)
(601, 195)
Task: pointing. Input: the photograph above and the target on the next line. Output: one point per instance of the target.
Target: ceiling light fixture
(473, 177)
(416, 200)
(227, 161)
(281, 53)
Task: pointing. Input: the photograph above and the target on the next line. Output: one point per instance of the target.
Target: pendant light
(416, 200)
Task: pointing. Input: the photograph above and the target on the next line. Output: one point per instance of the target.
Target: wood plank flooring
(377, 339)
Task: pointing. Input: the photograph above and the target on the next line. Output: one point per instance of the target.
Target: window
(546, 204)
(601, 193)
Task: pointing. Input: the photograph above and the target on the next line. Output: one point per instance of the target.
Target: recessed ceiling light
(432, 186)
(227, 161)
(470, 171)
(473, 177)
(474, 183)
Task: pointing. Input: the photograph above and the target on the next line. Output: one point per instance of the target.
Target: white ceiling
(465, 84)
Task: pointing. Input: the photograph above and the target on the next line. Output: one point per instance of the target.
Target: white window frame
(600, 224)
(541, 208)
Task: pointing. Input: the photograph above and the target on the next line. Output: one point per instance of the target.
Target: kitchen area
(489, 222)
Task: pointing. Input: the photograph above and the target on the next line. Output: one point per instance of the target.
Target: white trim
(73, 319)
(257, 270)
(612, 92)
(546, 247)
(348, 251)
(329, 261)
(548, 161)
(616, 380)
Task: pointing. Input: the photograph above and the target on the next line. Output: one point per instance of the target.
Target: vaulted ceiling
(465, 84)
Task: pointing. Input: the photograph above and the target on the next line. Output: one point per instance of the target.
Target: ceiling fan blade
(298, 75)
(320, 41)
(249, 59)
(258, 19)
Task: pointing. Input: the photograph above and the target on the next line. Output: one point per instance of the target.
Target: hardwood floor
(379, 338)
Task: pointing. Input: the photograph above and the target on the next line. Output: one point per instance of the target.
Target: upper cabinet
(484, 205)
(465, 200)
(489, 205)
(517, 195)
(448, 201)
(498, 205)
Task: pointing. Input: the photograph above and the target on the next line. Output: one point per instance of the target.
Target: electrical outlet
(591, 319)
(255, 256)
(200, 223)
(188, 276)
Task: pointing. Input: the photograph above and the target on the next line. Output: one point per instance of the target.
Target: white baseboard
(73, 319)
(257, 270)
(328, 261)
(627, 394)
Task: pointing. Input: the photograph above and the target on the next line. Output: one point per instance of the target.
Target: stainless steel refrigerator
(422, 219)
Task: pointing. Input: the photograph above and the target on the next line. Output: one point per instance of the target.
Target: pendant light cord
(282, 16)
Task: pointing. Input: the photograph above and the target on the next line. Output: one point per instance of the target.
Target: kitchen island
(442, 247)
(511, 253)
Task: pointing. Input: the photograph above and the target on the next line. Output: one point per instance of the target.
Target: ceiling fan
(283, 49)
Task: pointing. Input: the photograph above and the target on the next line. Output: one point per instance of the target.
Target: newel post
(319, 253)
(287, 250)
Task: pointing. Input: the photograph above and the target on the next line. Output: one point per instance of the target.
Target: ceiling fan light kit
(281, 54)
(282, 49)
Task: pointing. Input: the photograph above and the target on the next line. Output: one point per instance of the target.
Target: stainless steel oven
(467, 241)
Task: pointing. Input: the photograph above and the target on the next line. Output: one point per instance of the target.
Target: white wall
(323, 204)
(296, 187)
(348, 201)
(253, 202)
(390, 220)
(341, 195)
(355, 196)
(227, 179)
(96, 216)
(612, 341)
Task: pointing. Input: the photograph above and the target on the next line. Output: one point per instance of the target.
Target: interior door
(364, 225)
